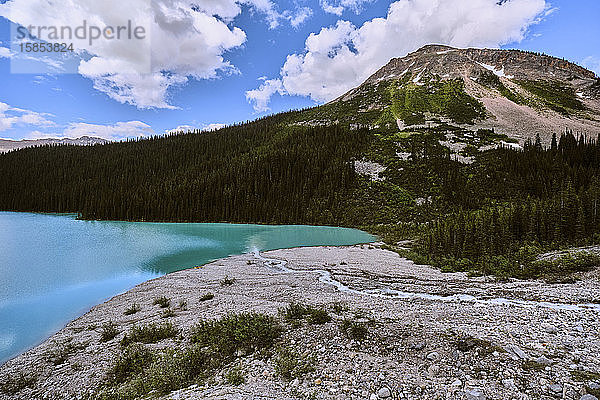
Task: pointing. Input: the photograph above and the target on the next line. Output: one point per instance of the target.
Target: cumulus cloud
(299, 17)
(338, 7)
(342, 56)
(260, 97)
(117, 131)
(5, 52)
(191, 128)
(13, 116)
(183, 40)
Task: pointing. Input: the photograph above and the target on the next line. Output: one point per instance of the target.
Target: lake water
(53, 268)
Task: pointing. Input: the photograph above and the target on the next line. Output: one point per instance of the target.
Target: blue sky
(268, 57)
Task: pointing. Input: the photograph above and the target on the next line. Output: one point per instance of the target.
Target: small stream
(325, 277)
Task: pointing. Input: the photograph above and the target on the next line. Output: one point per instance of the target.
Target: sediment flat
(430, 335)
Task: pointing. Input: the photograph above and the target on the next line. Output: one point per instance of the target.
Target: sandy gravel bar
(459, 344)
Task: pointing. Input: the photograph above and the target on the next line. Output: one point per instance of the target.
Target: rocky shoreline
(373, 346)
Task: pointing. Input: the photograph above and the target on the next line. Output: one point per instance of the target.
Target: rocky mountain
(7, 144)
(516, 93)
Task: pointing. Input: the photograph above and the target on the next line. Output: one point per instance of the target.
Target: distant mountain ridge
(8, 145)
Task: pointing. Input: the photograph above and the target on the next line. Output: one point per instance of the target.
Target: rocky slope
(374, 346)
(8, 145)
(520, 94)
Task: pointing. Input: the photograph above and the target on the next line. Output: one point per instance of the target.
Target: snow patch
(418, 78)
(444, 52)
(498, 72)
(515, 146)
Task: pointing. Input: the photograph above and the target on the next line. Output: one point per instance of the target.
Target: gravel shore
(452, 339)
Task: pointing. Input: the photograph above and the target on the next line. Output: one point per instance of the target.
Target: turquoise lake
(53, 268)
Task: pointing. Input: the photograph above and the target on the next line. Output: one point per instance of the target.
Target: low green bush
(109, 331)
(207, 296)
(289, 364)
(134, 308)
(14, 383)
(133, 360)
(162, 301)
(151, 333)
(247, 332)
(138, 372)
(354, 330)
(235, 376)
(227, 281)
(295, 312)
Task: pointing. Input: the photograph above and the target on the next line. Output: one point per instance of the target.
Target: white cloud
(13, 116)
(190, 128)
(184, 41)
(337, 7)
(5, 52)
(260, 97)
(213, 127)
(117, 131)
(299, 17)
(341, 57)
(592, 63)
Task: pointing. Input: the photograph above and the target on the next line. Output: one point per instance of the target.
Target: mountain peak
(450, 62)
(516, 93)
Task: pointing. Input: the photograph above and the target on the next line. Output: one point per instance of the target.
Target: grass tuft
(13, 384)
(227, 281)
(207, 296)
(134, 308)
(247, 332)
(132, 361)
(162, 301)
(235, 376)
(151, 333)
(109, 331)
(289, 364)
(354, 330)
(138, 372)
(295, 312)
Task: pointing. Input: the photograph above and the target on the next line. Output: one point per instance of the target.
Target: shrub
(339, 307)
(133, 360)
(295, 312)
(176, 369)
(137, 372)
(354, 330)
(289, 364)
(162, 301)
(182, 305)
(235, 376)
(227, 281)
(13, 384)
(61, 351)
(134, 308)
(150, 333)
(247, 332)
(167, 313)
(207, 296)
(109, 331)
(318, 316)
